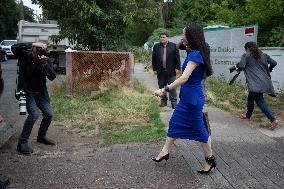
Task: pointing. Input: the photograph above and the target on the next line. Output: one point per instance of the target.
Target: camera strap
(16, 89)
(234, 78)
(20, 83)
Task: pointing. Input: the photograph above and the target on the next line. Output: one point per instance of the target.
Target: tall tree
(193, 11)
(9, 17)
(143, 21)
(94, 22)
(268, 14)
(29, 14)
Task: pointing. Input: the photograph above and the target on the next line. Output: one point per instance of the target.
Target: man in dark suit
(166, 64)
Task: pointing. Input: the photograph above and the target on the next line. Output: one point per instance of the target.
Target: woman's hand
(160, 92)
(43, 59)
(40, 45)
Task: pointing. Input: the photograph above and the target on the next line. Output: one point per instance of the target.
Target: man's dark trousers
(164, 80)
(37, 100)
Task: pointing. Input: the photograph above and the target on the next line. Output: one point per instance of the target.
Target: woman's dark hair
(196, 41)
(253, 49)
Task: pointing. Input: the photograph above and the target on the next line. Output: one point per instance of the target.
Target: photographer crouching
(34, 67)
(257, 67)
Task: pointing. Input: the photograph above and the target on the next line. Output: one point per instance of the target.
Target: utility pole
(22, 10)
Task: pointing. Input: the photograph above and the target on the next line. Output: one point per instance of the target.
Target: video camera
(42, 52)
(232, 69)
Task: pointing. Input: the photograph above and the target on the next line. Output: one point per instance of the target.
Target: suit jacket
(172, 59)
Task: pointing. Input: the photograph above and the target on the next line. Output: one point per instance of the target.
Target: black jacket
(173, 59)
(32, 73)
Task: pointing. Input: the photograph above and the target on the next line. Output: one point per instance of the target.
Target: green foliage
(267, 14)
(229, 97)
(142, 21)
(29, 14)
(193, 11)
(140, 55)
(9, 17)
(89, 23)
(116, 24)
(277, 37)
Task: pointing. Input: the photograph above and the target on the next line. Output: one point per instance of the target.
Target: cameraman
(257, 67)
(34, 67)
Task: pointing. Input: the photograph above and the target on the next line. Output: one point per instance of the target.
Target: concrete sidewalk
(247, 158)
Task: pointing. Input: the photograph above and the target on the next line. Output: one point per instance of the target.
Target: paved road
(8, 102)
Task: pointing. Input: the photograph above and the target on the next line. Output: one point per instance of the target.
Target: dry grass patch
(119, 115)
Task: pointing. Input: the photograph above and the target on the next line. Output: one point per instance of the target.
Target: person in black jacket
(166, 64)
(33, 70)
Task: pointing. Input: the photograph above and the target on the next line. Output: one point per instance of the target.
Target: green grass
(233, 98)
(220, 94)
(120, 115)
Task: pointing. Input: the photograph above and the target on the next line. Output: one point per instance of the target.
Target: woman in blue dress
(187, 120)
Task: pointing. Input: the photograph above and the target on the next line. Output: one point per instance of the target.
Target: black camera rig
(232, 69)
(42, 52)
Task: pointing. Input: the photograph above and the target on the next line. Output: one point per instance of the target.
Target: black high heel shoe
(165, 157)
(211, 160)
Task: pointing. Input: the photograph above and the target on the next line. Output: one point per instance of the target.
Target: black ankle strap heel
(211, 160)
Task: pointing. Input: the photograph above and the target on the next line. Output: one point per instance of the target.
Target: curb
(6, 132)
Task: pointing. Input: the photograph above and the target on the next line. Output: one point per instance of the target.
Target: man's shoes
(45, 140)
(273, 124)
(163, 104)
(24, 148)
(4, 184)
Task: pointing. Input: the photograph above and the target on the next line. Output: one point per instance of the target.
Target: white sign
(227, 47)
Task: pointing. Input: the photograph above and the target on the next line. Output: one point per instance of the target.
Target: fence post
(69, 79)
(130, 67)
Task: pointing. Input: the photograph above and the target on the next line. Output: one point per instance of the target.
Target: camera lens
(233, 68)
(22, 105)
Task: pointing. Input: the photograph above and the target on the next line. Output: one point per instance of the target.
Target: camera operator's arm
(49, 71)
(272, 63)
(21, 50)
(40, 45)
(242, 64)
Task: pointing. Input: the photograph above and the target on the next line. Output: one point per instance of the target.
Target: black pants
(164, 80)
(36, 100)
(258, 98)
